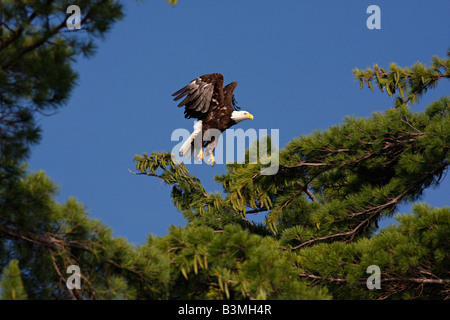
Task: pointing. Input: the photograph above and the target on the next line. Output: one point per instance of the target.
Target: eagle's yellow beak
(250, 116)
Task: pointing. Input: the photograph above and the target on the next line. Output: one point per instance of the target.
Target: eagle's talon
(200, 155)
(212, 159)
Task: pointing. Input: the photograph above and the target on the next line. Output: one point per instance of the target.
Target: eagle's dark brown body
(223, 111)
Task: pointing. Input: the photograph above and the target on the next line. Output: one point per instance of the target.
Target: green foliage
(54, 236)
(11, 286)
(37, 51)
(202, 262)
(417, 247)
(410, 82)
(233, 264)
(336, 184)
(189, 195)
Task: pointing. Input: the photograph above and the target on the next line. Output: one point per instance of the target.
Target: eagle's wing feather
(199, 93)
(208, 99)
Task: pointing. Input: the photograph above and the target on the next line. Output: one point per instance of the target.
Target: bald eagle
(214, 106)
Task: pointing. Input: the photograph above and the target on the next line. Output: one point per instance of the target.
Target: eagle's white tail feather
(186, 149)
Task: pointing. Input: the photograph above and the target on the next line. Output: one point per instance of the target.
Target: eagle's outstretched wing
(201, 95)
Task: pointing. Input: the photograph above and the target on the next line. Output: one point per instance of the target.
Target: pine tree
(37, 52)
(36, 75)
(11, 286)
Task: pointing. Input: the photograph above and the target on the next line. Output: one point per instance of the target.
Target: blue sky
(293, 61)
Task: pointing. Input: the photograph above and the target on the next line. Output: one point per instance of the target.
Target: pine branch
(15, 34)
(61, 246)
(256, 210)
(384, 279)
(147, 174)
(415, 80)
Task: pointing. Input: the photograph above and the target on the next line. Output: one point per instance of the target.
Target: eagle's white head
(238, 116)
